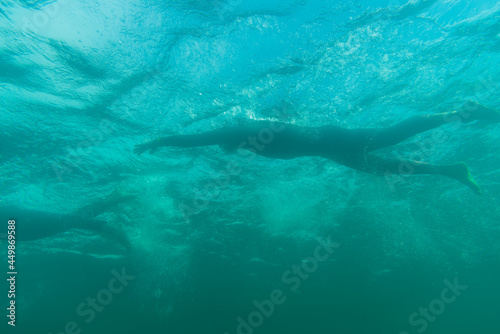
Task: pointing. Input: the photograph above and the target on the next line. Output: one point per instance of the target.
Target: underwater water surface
(195, 245)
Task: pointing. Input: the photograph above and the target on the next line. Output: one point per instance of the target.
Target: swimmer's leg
(473, 111)
(469, 112)
(373, 164)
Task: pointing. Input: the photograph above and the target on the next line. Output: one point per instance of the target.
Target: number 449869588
(11, 237)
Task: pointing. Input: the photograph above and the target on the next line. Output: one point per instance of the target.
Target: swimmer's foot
(472, 111)
(460, 172)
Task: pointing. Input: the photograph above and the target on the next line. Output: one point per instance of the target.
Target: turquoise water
(278, 246)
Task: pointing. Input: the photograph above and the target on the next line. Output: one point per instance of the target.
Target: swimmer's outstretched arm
(83, 218)
(104, 204)
(216, 137)
(176, 141)
(151, 146)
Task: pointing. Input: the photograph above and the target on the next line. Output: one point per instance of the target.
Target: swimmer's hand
(151, 145)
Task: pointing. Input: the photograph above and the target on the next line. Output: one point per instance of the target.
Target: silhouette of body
(34, 224)
(349, 147)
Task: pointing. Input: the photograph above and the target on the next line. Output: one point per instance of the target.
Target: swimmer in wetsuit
(349, 147)
(35, 225)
